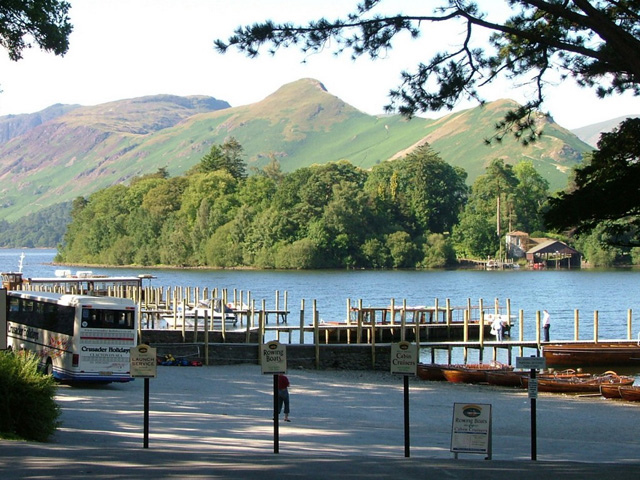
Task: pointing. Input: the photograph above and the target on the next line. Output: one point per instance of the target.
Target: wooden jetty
(438, 328)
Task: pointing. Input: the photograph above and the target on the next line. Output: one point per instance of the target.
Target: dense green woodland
(41, 229)
(413, 212)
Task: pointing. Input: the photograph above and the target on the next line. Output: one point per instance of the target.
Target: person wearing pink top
(283, 396)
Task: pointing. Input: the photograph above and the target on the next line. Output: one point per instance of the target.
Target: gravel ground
(335, 414)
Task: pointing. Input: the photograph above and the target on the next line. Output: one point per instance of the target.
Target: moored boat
(585, 354)
(579, 383)
(473, 373)
(505, 378)
(431, 371)
(610, 390)
(630, 392)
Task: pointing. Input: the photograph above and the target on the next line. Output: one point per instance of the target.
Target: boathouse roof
(553, 246)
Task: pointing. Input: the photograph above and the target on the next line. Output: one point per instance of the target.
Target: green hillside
(89, 148)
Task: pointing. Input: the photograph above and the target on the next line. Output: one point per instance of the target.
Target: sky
(130, 48)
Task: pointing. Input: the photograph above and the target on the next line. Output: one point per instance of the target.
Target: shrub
(27, 405)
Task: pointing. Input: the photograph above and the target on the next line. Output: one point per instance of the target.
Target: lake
(611, 292)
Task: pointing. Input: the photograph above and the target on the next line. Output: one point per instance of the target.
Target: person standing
(283, 396)
(546, 325)
(497, 327)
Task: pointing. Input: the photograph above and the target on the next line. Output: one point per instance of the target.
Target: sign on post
(273, 358)
(404, 358)
(471, 429)
(531, 363)
(143, 362)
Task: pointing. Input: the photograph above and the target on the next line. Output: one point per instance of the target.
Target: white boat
(210, 309)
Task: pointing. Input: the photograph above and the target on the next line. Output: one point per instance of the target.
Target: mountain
(77, 151)
(590, 134)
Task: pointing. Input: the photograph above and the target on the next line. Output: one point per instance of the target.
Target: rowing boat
(630, 392)
(579, 384)
(610, 390)
(585, 354)
(431, 371)
(475, 373)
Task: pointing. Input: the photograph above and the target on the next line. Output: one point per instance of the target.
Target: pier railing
(437, 327)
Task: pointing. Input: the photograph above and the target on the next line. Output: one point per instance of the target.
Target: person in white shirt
(546, 325)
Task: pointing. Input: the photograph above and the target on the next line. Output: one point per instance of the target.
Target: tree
(45, 22)
(227, 156)
(594, 41)
(605, 190)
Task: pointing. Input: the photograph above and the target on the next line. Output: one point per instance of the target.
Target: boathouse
(553, 254)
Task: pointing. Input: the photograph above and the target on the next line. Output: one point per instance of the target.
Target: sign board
(471, 429)
(404, 358)
(531, 363)
(532, 388)
(143, 362)
(273, 358)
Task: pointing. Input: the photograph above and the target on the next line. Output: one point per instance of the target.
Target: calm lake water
(611, 292)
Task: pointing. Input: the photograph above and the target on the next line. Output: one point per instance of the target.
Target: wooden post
(538, 327)
(403, 320)
(465, 336)
(481, 323)
(223, 307)
(576, 325)
(302, 322)
(316, 333)
(348, 322)
(449, 313)
(435, 311)
(251, 309)
(373, 339)
(629, 330)
(359, 329)
(263, 321)
(521, 330)
(595, 326)
(206, 338)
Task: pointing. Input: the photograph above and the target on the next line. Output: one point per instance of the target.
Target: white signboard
(404, 358)
(532, 388)
(274, 358)
(471, 429)
(531, 363)
(143, 362)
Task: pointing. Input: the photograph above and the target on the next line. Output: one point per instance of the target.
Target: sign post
(143, 364)
(532, 363)
(471, 429)
(273, 360)
(404, 361)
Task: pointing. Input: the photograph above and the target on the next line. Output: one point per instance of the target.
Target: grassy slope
(300, 124)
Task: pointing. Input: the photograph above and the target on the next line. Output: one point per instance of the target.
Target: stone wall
(339, 357)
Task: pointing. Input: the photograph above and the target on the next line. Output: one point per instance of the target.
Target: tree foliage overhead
(43, 22)
(605, 190)
(594, 41)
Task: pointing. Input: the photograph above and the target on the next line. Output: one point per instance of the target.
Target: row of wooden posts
(156, 301)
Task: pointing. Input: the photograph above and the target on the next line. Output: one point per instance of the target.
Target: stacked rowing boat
(610, 384)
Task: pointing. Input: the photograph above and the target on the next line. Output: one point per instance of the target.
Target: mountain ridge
(78, 150)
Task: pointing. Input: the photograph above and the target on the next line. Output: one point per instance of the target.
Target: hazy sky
(129, 48)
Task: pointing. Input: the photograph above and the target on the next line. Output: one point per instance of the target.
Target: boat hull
(630, 393)
(472, 373)
(578, 384)
(592, 354)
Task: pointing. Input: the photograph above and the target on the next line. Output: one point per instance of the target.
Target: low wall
(338, 357)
